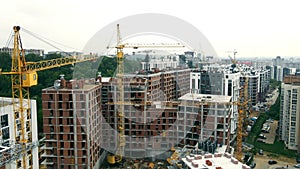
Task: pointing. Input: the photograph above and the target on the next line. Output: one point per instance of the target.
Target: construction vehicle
(117, 157)
(23, 76)
(242, 107)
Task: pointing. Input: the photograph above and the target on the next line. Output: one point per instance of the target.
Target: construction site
(165, 117)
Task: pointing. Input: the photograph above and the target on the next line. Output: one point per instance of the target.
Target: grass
(256, 129)
(277, 148)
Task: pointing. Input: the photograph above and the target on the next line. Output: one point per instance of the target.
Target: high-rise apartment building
(289, 125)
(72, 124)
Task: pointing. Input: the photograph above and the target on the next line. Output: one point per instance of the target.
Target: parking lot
(270, 137)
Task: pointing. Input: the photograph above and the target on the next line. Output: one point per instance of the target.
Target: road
(262, 162)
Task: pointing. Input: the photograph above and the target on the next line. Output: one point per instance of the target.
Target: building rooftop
(5, 101)
(206, 98)
(213, 161)
(291, 79)
(74, 84)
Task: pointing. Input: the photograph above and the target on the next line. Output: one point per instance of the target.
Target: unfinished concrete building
(72, 124)
(148, 110)
(204, 117)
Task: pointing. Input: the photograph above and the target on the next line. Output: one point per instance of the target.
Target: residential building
(218, 80)
(289, 124)
(204, 117)
(161, 60)
(264, 82)
(73, 124)
(149, 110)
(10, 146)
(253, 87)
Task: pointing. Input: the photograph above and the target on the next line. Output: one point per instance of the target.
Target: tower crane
(23, 76)
(242, 106)
(121, 141)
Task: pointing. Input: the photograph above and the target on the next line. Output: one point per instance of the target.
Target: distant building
(39, 52)
(73, 124)
(278, 61)
(10, 146)
(161, 61)
(66, 54)
(289, 125)
(264, 83)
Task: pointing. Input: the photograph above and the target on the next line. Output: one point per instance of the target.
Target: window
(70, 97)
(51, 113)
(51, 96)
(60, 97)
(4, 120)
(60, 105)
(62, 144)
(49, 121)
(49, 105)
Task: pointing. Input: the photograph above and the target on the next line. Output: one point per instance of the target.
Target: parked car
(252, 165)
(260, 140)
(297, 165)
(262, 136)
(260, 152)
(271, 162)
(298, 159)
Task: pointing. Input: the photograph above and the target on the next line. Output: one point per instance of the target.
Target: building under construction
(73, 124)
(148, 110)
(205, 117)
(11, 151)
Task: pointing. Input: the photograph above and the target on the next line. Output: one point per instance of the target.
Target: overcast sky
(254, 28)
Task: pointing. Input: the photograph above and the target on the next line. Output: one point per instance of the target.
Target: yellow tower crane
(117, 157)
(242, 107)
(23, 76)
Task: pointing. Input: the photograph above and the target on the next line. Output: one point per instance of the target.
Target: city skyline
(254, 29)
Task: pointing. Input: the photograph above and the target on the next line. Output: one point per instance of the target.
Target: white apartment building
(10, 148)
(289, 125)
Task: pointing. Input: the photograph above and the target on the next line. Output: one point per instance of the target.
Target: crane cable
(45, 40)
(9, 39)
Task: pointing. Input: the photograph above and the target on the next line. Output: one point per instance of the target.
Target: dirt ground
(262, 162)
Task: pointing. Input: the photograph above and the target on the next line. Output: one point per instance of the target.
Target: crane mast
(242, 106)
(121, 140)
(20, 94)
(120, 81)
